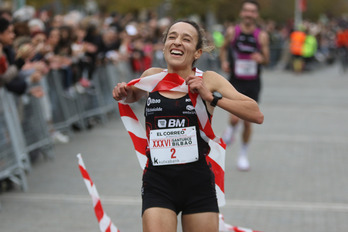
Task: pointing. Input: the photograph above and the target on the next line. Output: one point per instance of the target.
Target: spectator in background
(93, 40)
(275, 43)
(12, 62)
(64, 51)
(21, 29)
(297, 40)
(34, 72)
(310, 47)
(342, 45)
(158, 58)
(3, 61)
(36, 25)
(110, 44)
(51, 43)
(31, 72)
(38, 40)
(6, 14)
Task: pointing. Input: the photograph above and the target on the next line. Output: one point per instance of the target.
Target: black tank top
(165, 113)
(242, 47)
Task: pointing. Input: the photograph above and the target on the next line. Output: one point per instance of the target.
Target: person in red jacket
(342, 46)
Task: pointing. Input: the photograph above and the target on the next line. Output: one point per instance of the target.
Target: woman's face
(38, 39)
(54, 37)
(7, 37)
(180, 45)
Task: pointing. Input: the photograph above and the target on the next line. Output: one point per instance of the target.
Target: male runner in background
(245, 50)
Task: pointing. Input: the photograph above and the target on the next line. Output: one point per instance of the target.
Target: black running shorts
(250, 88)
(187, 188)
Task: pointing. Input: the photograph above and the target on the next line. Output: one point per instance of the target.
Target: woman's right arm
(131, 94)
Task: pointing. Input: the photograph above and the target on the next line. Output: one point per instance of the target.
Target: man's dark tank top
(165, 113)
(242, 47)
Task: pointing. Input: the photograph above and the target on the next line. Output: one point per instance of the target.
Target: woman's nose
(177, 41)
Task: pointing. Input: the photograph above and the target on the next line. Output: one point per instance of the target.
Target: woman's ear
(198, 54)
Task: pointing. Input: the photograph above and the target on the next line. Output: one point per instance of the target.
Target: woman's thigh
(159, 220)
(200, 222)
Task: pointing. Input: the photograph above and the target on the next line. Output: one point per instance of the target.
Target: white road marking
(136, 201)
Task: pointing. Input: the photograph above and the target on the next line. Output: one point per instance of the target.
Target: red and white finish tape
(105, 223)
(223, 226)
(165, 82)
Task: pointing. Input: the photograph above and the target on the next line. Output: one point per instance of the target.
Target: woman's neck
(184, 73)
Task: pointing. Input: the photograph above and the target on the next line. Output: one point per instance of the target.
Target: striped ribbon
(223, 226)
(105, 223)
(165, 82)
(172, 82)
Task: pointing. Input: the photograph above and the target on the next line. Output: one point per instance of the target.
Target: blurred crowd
(34, 43)
(75, 43)
(309, 45)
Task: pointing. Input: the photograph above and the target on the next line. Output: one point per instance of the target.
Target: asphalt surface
(298, 179)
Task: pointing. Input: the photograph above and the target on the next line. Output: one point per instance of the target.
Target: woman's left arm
(232, 101)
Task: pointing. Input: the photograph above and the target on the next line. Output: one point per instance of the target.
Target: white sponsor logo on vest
(153, 101)
(171, 123)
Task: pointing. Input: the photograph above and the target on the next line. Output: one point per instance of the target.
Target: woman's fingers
(120, 91)
(195, 83)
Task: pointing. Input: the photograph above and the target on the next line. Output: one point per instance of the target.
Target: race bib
(245, 68)
(173, 146)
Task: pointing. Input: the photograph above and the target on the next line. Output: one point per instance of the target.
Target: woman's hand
(36, 91)
(25, 51)
(35, 77)
(196, 85)
(121, 91)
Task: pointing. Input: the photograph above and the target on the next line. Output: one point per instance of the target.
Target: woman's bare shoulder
(152, 71)
(214, 80)
(211, 74)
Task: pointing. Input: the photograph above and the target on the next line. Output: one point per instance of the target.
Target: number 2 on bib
(173, 152)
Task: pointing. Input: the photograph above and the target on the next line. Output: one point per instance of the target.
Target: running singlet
(173, 131)
(243, 45)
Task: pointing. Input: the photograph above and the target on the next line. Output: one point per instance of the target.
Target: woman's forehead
(183, 28)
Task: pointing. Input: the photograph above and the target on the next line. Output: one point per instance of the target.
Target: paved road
(298, 181)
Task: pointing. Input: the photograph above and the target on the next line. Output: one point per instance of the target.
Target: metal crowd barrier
(99, 102)
(14, 160)
(65, 109)
(92, 100)
(34, 126)
(24, 128)
(78, 107)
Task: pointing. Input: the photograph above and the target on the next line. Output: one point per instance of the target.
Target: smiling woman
(187, 37)
(178, 178)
